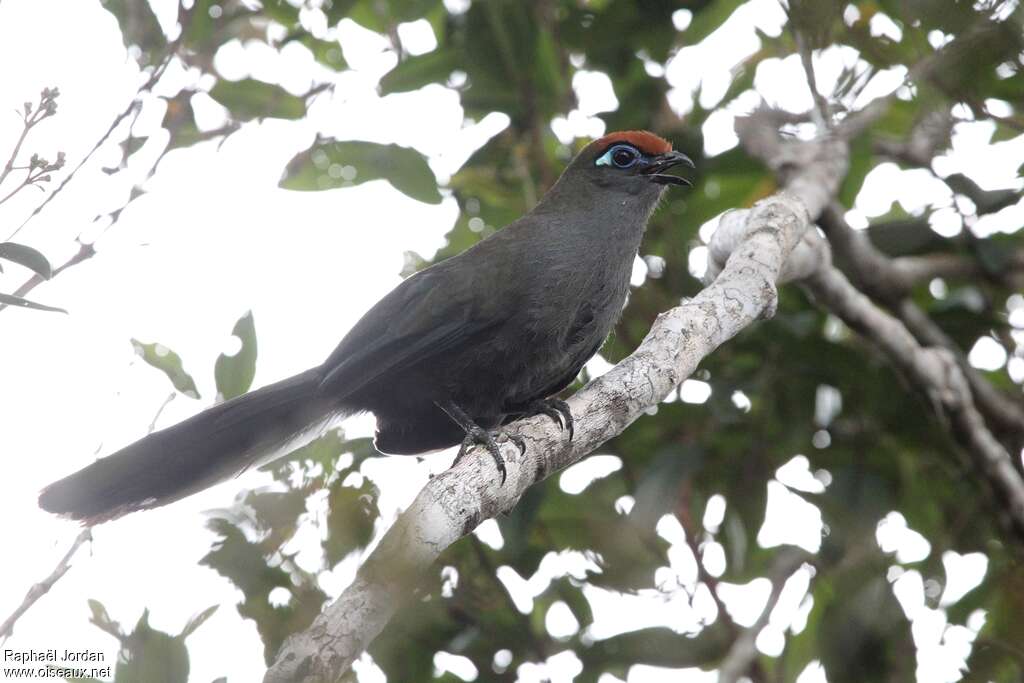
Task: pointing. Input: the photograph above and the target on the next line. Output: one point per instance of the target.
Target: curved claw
(563, 408)
(552, 412)
(518, 441)
(557, 410)
(484, 438)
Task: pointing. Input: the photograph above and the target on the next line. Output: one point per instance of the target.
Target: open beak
(663, 162)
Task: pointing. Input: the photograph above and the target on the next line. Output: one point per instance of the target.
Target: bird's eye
(620, 156)
(624, 157)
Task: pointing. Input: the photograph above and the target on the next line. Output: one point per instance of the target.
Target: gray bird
(450, 355)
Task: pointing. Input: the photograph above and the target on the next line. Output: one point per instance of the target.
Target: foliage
(880, 451)
(147, 654)
(234, 373)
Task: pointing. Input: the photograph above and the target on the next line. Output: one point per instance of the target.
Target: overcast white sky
(214, 237)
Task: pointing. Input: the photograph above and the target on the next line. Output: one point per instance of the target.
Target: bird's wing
(431, 312)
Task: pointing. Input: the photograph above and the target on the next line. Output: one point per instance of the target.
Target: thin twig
(30, 119)
(820, 111)
(889, 282)
(690, 528)
(858, 121)
(43, 587)
(160, 411)
(85, 251)
(936, 372)
(136, 102)
(524, 621)
(743, 653)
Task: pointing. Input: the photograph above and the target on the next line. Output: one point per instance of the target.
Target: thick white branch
(455, 502)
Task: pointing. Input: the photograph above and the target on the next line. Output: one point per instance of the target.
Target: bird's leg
(556, 409)
(475, 434)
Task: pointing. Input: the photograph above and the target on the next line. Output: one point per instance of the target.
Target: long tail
(192, 455)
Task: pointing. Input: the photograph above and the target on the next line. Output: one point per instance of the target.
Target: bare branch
(113, 126)
(937, 373)
(810, 170)
(929, 136)
(691, 529)
(46, 108)
(889, 281)
(43, 587)
(820, 112)
(85, 252)
(940, 373)
(1005, 413)
(151, 80)
(743, 653)
(968, 40)
(917, 269)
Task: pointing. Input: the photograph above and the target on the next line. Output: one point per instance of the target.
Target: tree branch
(46, 108)
(820, 112)
(43, 587)
(691, 528)
(980, 33)
(889, 281)
(136, 102)
(743, 653)
(936, 372)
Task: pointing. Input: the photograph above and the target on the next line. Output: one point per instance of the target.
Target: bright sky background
(214, 237)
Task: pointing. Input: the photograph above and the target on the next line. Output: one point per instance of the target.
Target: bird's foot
(478, 436)
(556, 409)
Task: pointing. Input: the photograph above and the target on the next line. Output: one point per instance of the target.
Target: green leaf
(327, 52)
(350, 519)
(180, 122)
(328, 165)
(102, 619)
(26, 256)
(660, 646)
(377, 16)
(323, 451)
(281, 11)
(139, 27)
(152, 656)
(708, 19)
(415, 72)
(11, 300)
(249, 99)
(244, 563)
(234, 374)
(861, 158)
(169, 363)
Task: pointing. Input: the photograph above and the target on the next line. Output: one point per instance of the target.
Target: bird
(450, 356)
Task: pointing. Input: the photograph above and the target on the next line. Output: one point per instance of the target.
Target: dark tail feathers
(192, 455)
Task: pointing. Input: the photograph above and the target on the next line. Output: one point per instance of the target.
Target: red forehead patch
(648, 143)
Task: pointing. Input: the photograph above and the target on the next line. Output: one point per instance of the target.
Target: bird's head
(631, 161)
